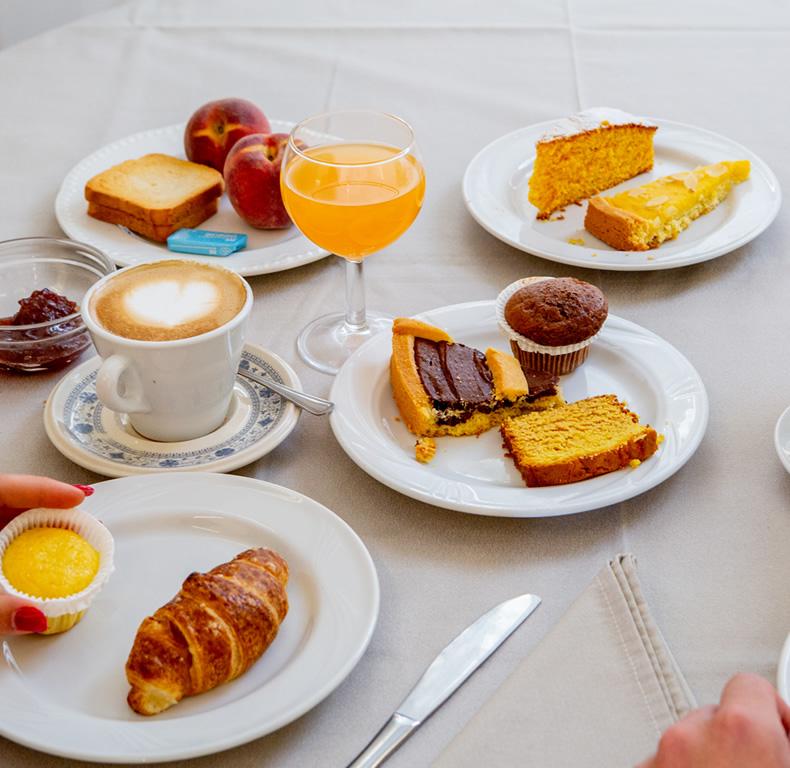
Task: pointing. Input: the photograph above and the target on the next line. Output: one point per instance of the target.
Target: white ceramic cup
(171, 390)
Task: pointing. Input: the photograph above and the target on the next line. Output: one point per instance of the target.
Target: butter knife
(447, 672)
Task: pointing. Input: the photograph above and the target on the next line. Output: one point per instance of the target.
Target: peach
(214, 128)
(252, 180)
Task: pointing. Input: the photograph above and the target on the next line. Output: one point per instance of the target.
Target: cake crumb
(651, 258)
(397, 418)
(594, 255)
(660, 438)
(634, 463)
(424, 449)
(576, 240)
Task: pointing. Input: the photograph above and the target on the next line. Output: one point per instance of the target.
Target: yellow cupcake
(50, 562)
(56, 559)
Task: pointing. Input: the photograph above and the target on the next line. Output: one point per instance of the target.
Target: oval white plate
(782, 438)
(783, 672)
(266, 251)
(472, 474)
(66, 694)
(99, 439)
(495, 192)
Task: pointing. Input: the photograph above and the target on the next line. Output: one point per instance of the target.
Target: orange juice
(353, 199)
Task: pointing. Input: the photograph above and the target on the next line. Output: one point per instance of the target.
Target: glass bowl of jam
(42, 282)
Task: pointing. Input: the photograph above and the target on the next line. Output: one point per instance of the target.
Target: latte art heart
(169, 303)
(168, 300)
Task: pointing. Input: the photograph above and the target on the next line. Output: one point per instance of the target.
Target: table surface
(711, 541)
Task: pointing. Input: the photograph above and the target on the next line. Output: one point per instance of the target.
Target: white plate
(783, 672)
(266, 251)
(782, 438)
(472, 474)
(66, 694)
(495, 192)
(99, 439)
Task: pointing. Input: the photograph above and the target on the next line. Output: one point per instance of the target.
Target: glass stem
(355, 297)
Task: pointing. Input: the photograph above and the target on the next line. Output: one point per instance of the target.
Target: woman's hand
(748, 729)
(18, 493)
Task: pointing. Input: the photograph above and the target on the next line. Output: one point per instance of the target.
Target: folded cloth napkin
(598, 691)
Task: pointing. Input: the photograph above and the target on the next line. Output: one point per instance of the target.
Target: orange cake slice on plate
(586, 154)
(577, 441)
(644, 217)
(445, 388)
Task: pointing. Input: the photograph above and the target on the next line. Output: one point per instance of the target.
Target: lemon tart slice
(644, 217)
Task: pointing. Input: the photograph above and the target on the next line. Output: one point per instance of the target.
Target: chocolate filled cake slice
(445, 388)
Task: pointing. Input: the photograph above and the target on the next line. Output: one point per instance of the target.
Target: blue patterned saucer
(99, 439)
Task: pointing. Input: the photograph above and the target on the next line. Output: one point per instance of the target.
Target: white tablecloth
(712, 541)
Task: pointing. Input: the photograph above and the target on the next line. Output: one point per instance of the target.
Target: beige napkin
(597, 691)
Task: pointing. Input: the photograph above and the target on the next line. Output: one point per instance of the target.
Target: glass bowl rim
(74, 245)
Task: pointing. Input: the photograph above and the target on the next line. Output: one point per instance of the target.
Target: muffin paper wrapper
(527, 345)
(559, 365)
(62, 612)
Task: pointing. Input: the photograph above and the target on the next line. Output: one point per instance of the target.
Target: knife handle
(397, 729)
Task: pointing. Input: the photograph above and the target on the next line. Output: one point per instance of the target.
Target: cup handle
(118, 386)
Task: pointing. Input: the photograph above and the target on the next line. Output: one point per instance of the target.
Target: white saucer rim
(783, 671)
(112, 469)
(780, 452)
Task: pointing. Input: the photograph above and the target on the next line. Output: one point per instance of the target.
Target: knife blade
(446, 673)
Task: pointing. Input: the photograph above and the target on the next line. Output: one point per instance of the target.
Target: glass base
(327, 342)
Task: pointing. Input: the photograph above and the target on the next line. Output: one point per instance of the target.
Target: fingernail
(28, 619)
(86, 489)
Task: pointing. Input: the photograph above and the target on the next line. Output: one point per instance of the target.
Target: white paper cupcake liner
(87, 526)
(525, 344)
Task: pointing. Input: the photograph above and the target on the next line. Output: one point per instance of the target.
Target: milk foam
(168, 303)
(168, 300)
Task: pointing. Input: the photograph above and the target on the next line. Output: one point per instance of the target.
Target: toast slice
(157, 232)
(156, 188)
(577, 441)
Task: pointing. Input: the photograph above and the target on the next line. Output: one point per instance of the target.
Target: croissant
(212, 631)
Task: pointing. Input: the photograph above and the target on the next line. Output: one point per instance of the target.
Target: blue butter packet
(205, 242)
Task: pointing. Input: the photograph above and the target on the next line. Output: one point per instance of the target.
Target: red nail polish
(28, 619)
(86, 489)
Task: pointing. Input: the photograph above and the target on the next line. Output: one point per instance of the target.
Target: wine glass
(353, 183)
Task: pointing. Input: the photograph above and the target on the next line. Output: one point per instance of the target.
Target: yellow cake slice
(644, 217)
(586, 154)
(577, 441)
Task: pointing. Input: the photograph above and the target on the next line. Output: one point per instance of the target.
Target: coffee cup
(170, 334)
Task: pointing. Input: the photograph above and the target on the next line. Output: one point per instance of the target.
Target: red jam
(36, 349)
(41, 307)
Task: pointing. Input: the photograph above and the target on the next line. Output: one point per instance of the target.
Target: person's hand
(748, 729)
(18, 493)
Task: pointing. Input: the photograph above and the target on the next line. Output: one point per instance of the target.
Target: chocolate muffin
(551, 321)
